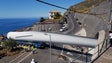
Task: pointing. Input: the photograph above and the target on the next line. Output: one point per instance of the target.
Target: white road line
(17, 57)
(25, 57)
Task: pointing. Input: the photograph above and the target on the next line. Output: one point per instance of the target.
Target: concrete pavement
(82, 32)
(106, 57)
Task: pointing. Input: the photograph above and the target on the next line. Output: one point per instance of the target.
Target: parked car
(63, 29)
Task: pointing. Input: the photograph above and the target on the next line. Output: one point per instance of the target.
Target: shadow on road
(67, 50)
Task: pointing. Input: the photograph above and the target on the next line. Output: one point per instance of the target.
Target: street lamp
(49, 44)
(50, 47)
(110, 17)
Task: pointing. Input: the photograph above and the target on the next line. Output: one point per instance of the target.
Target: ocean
(7, 25)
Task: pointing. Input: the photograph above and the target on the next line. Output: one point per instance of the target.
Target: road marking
(17, 57)
(25, 57)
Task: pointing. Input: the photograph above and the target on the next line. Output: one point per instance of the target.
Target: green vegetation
(9, 47)
(57, 16)
(9, 44)
(42, 19)
(86, 6)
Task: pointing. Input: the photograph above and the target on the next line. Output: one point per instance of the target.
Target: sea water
(7, 25)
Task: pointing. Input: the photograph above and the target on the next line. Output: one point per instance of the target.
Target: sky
(31, 8)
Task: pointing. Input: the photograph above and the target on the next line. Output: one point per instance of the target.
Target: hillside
(85, 6)
(98, 8)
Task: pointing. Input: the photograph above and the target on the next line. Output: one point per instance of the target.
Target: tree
(9, 44)
(57, 15)
(42, 19)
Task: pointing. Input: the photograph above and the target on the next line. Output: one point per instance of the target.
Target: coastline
(48, 26)
(28, 28)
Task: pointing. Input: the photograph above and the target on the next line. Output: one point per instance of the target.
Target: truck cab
(40, 45)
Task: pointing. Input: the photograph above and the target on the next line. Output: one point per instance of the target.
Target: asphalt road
(21, 57)
(41, 56)
(73, 25)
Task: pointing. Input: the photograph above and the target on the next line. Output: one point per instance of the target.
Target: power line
(53, 5)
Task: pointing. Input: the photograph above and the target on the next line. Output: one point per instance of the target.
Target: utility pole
(110, 19)
(49, 35)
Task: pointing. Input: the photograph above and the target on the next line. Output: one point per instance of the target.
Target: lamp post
(49, 44)
(111, 13)
(50, 47)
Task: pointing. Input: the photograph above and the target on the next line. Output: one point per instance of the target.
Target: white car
(61, 30)
(110, 35)
(64, 28)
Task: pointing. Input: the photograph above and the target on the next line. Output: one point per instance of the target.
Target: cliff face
(102, 10)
